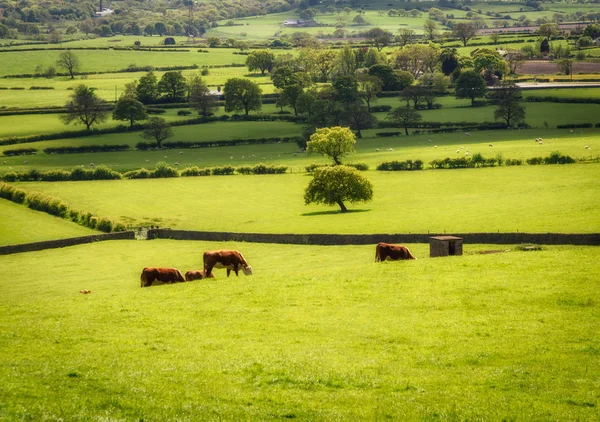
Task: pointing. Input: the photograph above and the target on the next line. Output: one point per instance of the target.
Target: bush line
(54, 206)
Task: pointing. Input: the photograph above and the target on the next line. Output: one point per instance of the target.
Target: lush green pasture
(370, 149)
(506, 199)
(19, 224)
(111, 60)
(563, 93)
(536, 114)
(17, 92)
(317, 333)
(20, 125)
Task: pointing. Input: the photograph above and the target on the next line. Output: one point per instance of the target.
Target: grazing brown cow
(196, 275)
(166, 275)
(232, 260)
(384, 251)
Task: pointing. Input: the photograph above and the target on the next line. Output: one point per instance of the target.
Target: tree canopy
(84, 107)
(242, 95)
(336, 185)
(334, 142)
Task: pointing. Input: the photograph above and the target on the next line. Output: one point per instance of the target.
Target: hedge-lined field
(317, 333)
(517, 144)
(22, 225)
(550, 198)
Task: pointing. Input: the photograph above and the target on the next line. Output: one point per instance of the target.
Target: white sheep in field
(376, 149)
(457, 151)
(467, 133)
(585, 147)
(180, 152)
(176, 164)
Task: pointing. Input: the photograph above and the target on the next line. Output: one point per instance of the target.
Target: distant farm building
(445, 246)
(298, 23)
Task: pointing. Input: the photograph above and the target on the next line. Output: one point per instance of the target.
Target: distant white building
(105, 13)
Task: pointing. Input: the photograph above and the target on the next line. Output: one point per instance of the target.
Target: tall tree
(147, 89)
(404, 117)
(464, 31)
(471, 85)
(262, 60)
(68, 61)
(173, 86)
(130, 109)
(201, 98)
(84, 107)
(379, 37)
(507, 97)
(242, 95)
(357, 116)
(406, 36)
(369, 87)
(157, 130)
(430, 29)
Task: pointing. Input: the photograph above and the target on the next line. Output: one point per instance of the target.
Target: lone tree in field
(84, 107)
(242, 95)
(464, 32)
(334, 142)
(128, 108)
(508, 99)
(157, 130)
(404, 117)
(471, 85)
(336, 185)
(68, 61)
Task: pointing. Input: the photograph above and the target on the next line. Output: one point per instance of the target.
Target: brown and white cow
(166, 275)
(196, 275)
(232, 260)
(385, 251)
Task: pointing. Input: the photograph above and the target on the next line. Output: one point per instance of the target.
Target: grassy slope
(527, 198)
(318, 333)
(19, 224)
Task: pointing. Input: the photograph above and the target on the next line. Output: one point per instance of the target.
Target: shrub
(19, 151)
(222, 171)
(104, 225)
(156, 111)
(401, 165)
(244, 170)
(195, 171)
(79, 173)
(55, 176)
(557, 158)
(359, 166)
(137, 174)
(162, 169)
(105, 173)
(184, 113)
(533, 161)
(10, 177)
(12, 194)
(513, 162)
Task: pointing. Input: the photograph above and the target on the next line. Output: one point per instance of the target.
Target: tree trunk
(342, 206)
(406, 130)
(358, 134)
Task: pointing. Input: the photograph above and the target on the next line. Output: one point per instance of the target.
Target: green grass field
(317, 333)
(22, 225)
(506, 199)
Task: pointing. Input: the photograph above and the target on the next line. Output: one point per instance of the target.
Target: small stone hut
(445, 246)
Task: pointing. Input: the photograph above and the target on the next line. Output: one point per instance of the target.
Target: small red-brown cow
(385, 251)
(232, 260)
(166, 275)
(196, 275)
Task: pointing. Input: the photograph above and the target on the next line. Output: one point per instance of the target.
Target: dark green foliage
(137, 174)
(55, 176)
(401, 165)
(558, 158)
(222, 171)
(86, 149)
(104, 225)
(513, 162)
(19, 151)
(12, 194)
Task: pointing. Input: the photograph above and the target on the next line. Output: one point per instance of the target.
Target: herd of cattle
(234, 260)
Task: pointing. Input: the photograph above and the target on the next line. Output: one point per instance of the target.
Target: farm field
(517, 144)
(537, 199)
(31, 226)
(317, 333)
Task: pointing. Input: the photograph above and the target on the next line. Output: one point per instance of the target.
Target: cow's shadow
(332, 212)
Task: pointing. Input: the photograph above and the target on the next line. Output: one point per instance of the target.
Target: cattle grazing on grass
(165, 275)
(196, 275)
(232, 260)
(385, 251)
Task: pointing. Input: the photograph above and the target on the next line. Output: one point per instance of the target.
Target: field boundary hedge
(366, 239)
(61, 243)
